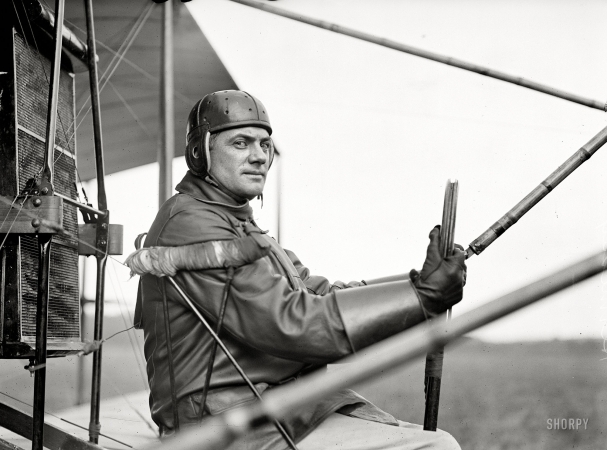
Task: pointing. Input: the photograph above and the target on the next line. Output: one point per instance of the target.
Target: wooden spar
(42, 16)
(428, 55)
(393, 352)
(166, 149)
(20, 423)
(102, 229)
(434, 359)
(534, 197)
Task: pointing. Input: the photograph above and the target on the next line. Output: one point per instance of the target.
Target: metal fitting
(36, 223)
(37, 202)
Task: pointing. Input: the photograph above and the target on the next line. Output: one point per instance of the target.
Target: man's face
(240, 159)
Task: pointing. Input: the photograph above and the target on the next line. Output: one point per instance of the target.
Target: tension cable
(125, 48)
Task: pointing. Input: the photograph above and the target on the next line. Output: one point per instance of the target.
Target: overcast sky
(370, 136)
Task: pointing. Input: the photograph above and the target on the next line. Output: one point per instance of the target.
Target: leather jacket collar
(203, 191)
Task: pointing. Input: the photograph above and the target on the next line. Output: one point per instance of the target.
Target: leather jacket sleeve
(269, 313)
(264, 311)
(388, 306)
(317, 284)
(373, 313)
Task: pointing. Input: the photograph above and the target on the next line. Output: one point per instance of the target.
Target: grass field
(500, 396)
(494, 396)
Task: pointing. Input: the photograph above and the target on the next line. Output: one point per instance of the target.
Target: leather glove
(441, 281)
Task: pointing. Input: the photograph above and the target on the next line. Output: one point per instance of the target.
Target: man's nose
(258, 155)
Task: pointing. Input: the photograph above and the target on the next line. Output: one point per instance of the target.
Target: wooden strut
(218, 431)
(166, 147)
(434, 359)
(44, 265)
(103, 224)
(481, 70)
(44, 240)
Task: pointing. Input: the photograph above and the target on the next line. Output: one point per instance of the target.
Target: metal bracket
(87, 235)
(39, 214)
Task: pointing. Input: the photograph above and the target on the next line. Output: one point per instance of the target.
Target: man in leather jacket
(280, 321)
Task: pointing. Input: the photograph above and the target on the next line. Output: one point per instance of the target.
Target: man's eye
(265, 145)
(240, 144)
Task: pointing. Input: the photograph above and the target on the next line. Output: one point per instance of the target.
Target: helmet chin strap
(207, 150)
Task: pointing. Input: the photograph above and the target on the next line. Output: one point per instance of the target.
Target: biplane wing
(130, 100)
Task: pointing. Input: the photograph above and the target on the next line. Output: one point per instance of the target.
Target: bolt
(36, 223)
(37, 202)
(102, 242)
(104, 226)
(44, 190)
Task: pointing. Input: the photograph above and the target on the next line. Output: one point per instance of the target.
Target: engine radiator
(24, 87)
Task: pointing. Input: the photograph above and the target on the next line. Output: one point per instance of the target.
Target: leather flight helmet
(216, 112)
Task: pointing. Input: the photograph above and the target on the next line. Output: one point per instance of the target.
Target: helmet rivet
(227, 112)
(250, 109)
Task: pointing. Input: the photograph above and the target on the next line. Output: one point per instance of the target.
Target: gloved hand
(441, 281)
